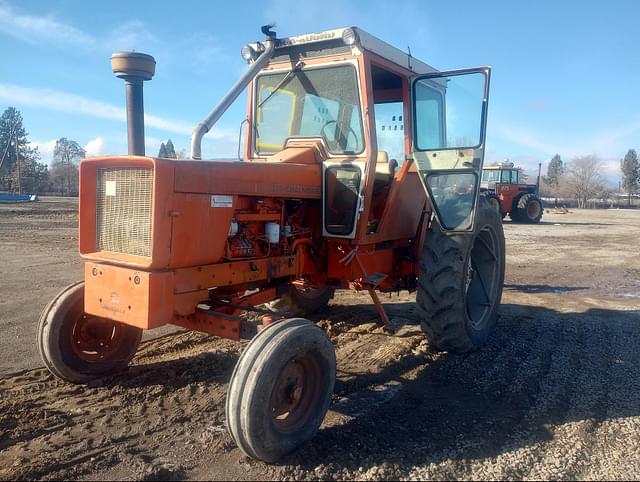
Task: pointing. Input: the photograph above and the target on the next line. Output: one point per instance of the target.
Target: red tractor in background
(502, 188)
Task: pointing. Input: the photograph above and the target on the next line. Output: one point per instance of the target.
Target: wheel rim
(296, 392)
(533, 209)
(481, 283)
(96, 339)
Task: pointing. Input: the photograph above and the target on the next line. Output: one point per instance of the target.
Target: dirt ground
(554, 395)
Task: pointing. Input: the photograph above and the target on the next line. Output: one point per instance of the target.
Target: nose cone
(133, 65)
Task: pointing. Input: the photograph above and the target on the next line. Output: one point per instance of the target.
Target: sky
(565, 75)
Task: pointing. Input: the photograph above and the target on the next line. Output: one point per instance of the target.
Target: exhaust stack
(237, 88)
(134, 68)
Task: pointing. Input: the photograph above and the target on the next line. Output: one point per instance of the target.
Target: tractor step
(374, 279)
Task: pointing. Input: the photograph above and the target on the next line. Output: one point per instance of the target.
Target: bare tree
(585, 178)
(64, 168)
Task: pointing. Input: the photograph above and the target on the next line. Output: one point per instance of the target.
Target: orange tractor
(502, 188)
(327, 196)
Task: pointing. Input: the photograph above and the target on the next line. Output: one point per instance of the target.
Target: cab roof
(364, 40)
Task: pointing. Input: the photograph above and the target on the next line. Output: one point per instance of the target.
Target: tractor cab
(501, 173)
(376, 116)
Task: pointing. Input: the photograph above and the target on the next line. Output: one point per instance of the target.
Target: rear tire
(280, 389)
(530, 208)
(302, 301)
(78, 347)
(460, 283)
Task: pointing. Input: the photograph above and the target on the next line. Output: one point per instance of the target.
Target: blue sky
(565, 80)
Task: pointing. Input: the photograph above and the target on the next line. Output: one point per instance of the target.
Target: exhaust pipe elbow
(205, 126)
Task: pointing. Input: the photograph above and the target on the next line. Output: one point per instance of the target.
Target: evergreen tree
(171, 152)
(163, 151)
(34, 176)
(555, 170)
(630, 167)
(27, 175)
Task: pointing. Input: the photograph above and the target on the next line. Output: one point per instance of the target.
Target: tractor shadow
(531, 377)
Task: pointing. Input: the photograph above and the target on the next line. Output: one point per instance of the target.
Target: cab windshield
(491, 175)
(320, 102)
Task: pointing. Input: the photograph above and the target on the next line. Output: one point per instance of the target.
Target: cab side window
(509, 177)
(390, 129)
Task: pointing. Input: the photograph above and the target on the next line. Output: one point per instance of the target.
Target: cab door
(449, 129)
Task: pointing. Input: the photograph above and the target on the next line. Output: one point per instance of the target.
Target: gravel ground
(554, 395)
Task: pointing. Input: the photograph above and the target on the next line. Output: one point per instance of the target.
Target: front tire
(280, 389)
(495, 202)
(78, 347)
(530, 209)
(460, 283)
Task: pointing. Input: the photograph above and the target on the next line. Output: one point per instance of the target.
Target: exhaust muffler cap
(133, 65)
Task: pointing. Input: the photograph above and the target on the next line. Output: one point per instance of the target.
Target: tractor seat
(384, 172)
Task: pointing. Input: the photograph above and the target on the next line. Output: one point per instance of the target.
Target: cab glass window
(510, 177)
(342, 189)
(454, 197)
(448, 111)
(390, 129)
(320, 102)
(491, 175)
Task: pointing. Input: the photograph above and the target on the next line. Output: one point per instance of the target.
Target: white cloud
(220, 140)
(605, 143)
(45, 148)
(132, 35)
(524, 137)
(95, 147)
(75, 104)
(37, 29)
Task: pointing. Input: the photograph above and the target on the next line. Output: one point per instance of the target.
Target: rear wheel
(460, 283)
(302, 299)
(79, 347)
(530, 208)
(280, 389)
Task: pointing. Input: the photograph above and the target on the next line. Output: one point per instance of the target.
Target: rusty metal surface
(235, 273)
(214, 323)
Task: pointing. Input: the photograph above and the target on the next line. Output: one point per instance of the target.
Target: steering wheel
(335, 142)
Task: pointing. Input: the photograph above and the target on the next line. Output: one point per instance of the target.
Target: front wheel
(78, 347)
(460, 283)
(494, 202)
(280, 389)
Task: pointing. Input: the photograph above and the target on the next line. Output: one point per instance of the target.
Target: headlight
(349, 36)
(248, 53)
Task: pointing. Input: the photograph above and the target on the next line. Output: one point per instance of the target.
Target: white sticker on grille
(218, 201)
(110, 188)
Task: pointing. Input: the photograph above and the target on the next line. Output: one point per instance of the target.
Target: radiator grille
(123, 210)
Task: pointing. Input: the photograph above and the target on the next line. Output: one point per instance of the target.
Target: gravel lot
(554, 395)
